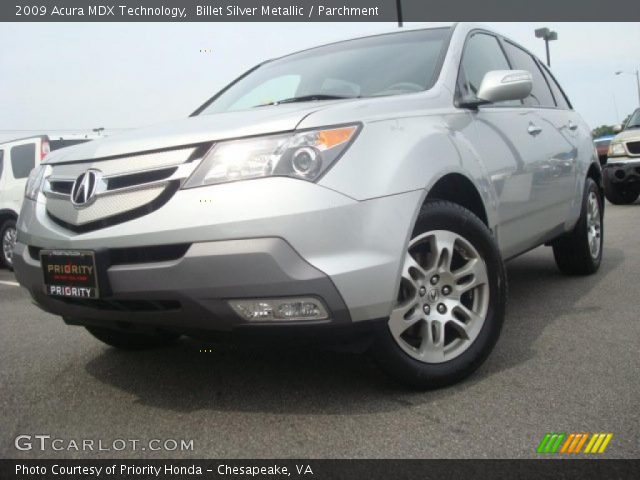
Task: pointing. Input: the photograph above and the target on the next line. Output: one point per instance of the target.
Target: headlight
(616, 150)
(305, 155)
(34, 182)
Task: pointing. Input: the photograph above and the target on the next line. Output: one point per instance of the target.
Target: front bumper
(620, 170)
(189, 293)
(272, 237)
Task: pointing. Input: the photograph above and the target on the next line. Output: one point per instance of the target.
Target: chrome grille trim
(122, 192)
(130, 163)
(55, 186)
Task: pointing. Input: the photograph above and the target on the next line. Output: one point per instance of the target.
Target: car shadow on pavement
(194, 375)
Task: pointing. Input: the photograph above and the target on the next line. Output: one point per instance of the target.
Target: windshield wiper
(308, 98)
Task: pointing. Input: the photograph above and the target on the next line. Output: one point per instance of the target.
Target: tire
(619, 193)
(132, 340)
(580, 251)
(8, 240)
(428, 354)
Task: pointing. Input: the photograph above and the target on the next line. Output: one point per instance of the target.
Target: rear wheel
(580, 251)
(451, 303)
(8, 235)
(132, 340)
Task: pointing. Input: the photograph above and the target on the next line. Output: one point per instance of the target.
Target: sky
(72, 77)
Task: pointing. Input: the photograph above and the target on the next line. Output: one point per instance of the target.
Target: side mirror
(617, 128)
(502, 85)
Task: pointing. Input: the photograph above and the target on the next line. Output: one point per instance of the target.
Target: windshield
(367, 67)
(634, 121)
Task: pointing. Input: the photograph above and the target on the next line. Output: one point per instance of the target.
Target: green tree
(602, 130)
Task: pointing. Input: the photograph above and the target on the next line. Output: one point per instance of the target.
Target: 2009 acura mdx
(378, 182)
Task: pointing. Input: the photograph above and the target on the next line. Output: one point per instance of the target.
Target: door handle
(572, 126)
(533, 129)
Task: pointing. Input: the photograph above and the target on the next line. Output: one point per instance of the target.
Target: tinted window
(23, 160)
(482, 53)
(558, 94)
(1, 162)
(540, 95)
(57, 144)
(367, 67)
(634, 120)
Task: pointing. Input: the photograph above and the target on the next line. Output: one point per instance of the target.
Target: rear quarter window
(1, 162)
(23, 159)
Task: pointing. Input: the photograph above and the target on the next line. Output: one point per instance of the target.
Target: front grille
(138, 306)
(130, 180)
(161, 198)
(136, 179)
(124, 187)
(134, 255)
(633, 148)
(62, 187)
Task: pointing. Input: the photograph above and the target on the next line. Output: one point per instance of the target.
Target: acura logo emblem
(433, 295)
(85, 186)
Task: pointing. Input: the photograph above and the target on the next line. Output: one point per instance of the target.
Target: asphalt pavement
(568, 360)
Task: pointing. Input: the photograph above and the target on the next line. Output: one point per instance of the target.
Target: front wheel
(8, 234)
(451, 303)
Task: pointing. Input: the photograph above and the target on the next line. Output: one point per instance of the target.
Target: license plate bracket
(75, 273)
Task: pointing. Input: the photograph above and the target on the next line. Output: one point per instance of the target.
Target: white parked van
(17, 159)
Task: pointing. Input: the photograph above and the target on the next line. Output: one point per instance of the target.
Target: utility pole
(548, 36)
(637, 74)
(399, 11)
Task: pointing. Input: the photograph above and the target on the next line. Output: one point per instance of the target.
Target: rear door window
(540, 95)
(561, 99)
(23, 159)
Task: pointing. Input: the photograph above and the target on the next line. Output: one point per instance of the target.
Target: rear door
(556, 180)
(508, 137)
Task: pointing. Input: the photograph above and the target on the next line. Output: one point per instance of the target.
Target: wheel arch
(458, 188)
(7, 214)
(595, 172)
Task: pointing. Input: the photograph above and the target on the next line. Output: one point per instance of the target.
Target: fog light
(280, 309)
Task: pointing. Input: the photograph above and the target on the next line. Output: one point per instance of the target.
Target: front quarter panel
(410, 153)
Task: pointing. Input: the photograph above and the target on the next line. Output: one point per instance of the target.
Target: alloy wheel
(443, 299)
(8, 244)
(594, 225)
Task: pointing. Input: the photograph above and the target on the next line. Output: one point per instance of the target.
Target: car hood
(192, 130)
(626, 135)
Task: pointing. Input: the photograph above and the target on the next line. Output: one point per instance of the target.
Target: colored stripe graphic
(572, 443)
(598, 443)
(551, 442)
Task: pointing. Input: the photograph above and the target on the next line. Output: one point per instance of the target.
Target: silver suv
(373, 186)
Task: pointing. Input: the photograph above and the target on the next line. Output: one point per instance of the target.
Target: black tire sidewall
(447, 216)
